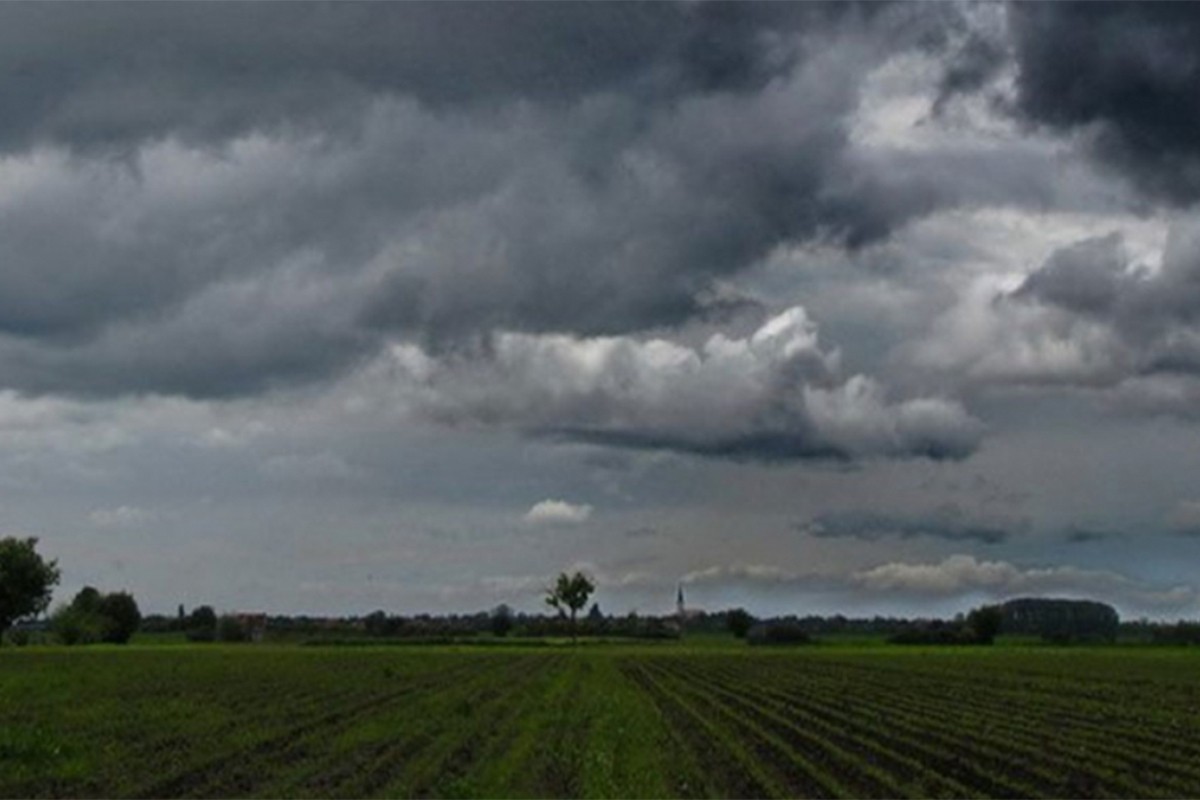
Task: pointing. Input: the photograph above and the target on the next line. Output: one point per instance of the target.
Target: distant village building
(682, 612)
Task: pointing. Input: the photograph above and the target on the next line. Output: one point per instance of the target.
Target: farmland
(596, 721)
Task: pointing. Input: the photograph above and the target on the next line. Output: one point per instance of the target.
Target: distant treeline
(1161, 632)
(1051, 620)
(204, 624)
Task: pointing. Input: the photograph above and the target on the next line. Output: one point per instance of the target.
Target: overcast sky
(812, 308)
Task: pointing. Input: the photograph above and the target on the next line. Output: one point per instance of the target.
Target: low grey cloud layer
(885, 296)
(949, 523)
(960, 574)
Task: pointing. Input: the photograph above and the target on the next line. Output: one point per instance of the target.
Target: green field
(599, 721)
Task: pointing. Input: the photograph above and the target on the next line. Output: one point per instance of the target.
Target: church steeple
(679, 602)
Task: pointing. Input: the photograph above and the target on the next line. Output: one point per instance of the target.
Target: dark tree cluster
(980, 626)
(1061, 621)
(629, 626)
(97, 617)
(202, 624)
(738, 621)
(424, 626)
(502, 622)
(1167, 633)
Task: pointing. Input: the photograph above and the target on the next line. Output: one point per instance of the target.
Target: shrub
(73, 625)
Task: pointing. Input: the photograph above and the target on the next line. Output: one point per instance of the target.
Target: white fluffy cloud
(558, 512)
(773, 395)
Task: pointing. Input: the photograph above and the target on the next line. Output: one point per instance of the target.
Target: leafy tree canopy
(569, 594)
(26, 580)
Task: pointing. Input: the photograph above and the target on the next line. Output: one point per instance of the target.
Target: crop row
(1124, 736)
(596, 722)
(819, 727)
(245, 728)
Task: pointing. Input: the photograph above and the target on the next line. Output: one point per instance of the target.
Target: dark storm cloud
(1126, 75)
(232, 198)
(646, 206)
(950, 524)
(97, 76)
(971, 66)
(111, 76)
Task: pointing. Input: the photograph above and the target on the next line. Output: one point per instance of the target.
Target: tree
(739, 621)
(501, 620)
(26, 580)
(570, 593)
(96, 617)
(376, 623)
(88, 600)
(984, 623)
(121, 617)
(202, 624)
